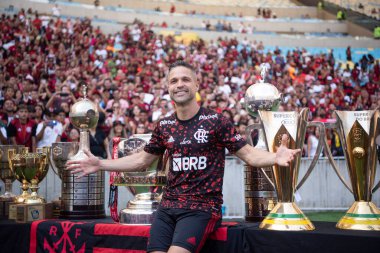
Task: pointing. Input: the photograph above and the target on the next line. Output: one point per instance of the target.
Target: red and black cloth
(81, 237)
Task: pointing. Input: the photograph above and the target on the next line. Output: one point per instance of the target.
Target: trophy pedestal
(141, 210)
(4, 207)
(361, 216)
(30, 212)
(260, 197)
(286, 216)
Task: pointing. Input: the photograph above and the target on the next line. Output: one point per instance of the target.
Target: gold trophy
(357, 131)
(30, 169)
(83, 197)
(5, 172)
(141, 209)
(286, 215)
(8, 177)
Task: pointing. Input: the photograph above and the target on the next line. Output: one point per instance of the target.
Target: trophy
(357, 131)
(260, 195)
(263, 98)
(5, 172)
(142, 185)
(29, 169)
(83, 197)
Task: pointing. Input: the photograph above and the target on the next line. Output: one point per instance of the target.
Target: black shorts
(185, 228)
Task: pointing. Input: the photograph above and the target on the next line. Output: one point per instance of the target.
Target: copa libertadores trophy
(83, 197)
(358, 131)
(260, 195)
(285, 215)
(143, 185)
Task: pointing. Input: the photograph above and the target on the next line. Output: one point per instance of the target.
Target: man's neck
(186, 112)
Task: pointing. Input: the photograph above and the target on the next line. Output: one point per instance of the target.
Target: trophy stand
(260, 195)
(34, 198)
(25, 192)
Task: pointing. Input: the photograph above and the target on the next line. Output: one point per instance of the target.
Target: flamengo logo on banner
(167, 122)
(189, 163)
(201, 136)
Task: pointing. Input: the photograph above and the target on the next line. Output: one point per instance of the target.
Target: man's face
(23, 114)
(8, 106)
(182, 85)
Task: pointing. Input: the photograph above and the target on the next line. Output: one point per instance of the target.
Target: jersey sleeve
(156, 145)
(229, 137)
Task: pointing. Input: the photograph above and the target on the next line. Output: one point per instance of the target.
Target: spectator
(49, 131)
(22, 130)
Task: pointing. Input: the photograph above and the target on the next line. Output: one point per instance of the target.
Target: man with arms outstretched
(195, 139)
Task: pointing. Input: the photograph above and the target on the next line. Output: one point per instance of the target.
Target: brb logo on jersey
(189, 163)
(201, 136)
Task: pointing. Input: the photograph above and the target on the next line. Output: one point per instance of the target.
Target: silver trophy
(260, 195)
(83, 197)
(141, 209)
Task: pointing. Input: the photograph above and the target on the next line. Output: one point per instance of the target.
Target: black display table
(102, 236)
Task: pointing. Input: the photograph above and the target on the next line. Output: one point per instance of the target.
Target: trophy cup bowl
(6, 173)
(141, 209)
(358, 131)
(286, 215)
(262, 96)
(61, 152)
(29, 168)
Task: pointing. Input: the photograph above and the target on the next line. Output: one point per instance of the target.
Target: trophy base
(22, 213)
(81, 213)
(34, 200)
(140, 210)
(4, 207)
(361, 216)
(22, 198)
(136, 217)
(286, 216)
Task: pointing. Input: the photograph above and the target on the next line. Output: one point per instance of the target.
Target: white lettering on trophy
(167, 122)
(214, 116)
(189, 163)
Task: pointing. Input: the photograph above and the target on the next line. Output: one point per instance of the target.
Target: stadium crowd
(45, 62)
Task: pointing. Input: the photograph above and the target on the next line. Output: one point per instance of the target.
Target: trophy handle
(321, 142)
(376, 187)
(248, 131)
(55, 169)
(331, 159)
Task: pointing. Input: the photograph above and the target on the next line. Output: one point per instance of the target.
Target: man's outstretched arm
(261, 158)
(92, 164)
